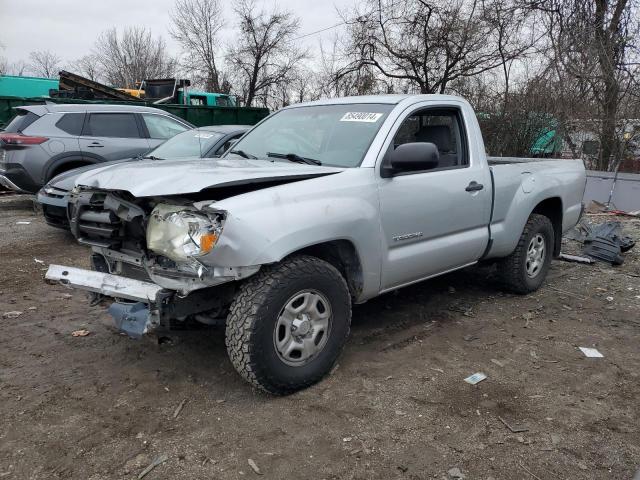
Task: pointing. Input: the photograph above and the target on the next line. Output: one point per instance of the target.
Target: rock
(455, 472)
(12, 314)
(136, 463)
(254, 467)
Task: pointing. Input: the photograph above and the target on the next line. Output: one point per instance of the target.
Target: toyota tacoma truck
(320, 206)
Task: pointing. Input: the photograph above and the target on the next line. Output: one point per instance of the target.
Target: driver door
(431, 222)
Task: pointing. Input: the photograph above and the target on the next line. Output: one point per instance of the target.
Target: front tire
(288, 324)
(526, 268)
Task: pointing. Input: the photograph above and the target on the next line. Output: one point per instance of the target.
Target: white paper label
(361, 117)
(202, 135)
(591, 352)
(475, 378)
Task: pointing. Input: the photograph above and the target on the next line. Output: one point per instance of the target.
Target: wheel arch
(343, 255)
(67, 161)
(552, 209)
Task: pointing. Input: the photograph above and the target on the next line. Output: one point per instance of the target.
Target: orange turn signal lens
(207, 242)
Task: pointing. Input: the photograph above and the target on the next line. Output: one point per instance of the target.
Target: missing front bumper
(135, 319)
(105, 283)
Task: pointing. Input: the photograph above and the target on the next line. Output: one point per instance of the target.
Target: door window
(71, 123)
(162, 127)
(197, 100)
(119, 125)
(441, 127)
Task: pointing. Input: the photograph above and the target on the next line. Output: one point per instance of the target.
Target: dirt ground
(102, 406)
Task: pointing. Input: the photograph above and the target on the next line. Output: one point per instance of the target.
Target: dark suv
(43, 141)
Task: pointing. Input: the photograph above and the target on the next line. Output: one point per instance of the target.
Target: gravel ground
(104, 406)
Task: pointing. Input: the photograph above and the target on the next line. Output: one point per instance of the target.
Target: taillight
(18, 139)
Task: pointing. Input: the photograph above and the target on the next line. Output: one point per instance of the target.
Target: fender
(60, 159)
(265, 226)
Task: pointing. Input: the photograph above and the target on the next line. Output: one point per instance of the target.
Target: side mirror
(411, 157)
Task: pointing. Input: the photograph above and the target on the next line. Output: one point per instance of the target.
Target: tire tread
(510, 267)
(243, 317)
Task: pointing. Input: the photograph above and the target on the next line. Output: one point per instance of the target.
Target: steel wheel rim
(536, 253)
(302, 328)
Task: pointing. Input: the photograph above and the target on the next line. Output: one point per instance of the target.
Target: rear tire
(288, 324)
(526, 268)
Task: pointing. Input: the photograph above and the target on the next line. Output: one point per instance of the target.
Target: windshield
(192, 143)
(337, 135)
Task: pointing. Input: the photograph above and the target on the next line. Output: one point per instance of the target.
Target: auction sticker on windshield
(361, 117)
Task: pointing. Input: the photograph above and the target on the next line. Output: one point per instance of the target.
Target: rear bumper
(7, 183)
(15, 177)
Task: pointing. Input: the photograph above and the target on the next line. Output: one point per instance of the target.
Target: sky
(69, 27)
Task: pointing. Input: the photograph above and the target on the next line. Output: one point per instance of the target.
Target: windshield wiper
(151, 157)
(243, 154)
(294, 157)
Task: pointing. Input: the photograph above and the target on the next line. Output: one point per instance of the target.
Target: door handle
(474, 186)
(95, 145)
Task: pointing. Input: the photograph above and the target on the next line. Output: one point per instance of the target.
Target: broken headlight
(180, 234)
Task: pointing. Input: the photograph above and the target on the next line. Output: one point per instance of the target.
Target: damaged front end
(149, 256)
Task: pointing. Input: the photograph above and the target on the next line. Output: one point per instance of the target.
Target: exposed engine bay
(159, 241)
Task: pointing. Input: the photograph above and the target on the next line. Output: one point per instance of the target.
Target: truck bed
(520, 183)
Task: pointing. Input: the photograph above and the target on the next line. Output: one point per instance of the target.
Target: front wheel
(526, 268)
(288, 323)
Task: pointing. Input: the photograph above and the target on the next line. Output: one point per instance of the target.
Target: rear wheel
(526, 268)
(288, 323)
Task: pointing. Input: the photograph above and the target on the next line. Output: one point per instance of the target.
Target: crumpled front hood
(175, 177)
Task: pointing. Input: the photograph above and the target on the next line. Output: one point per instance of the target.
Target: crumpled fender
(264, 226)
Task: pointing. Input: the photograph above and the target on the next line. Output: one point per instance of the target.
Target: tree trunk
(608, 141)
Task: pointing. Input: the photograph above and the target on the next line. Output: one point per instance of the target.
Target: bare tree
(196, 25)
(87, 66)
(3, 62)
(593, 42)
(264, 54)
(18, 68)
(427, 44)
(132, 57)
(44, 63)
(334, 80)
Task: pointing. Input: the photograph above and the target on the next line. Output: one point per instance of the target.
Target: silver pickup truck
(319, 206)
